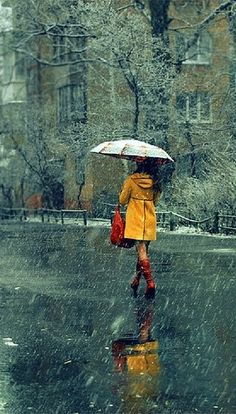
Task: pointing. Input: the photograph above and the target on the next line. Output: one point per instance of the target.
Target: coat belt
(142, 199)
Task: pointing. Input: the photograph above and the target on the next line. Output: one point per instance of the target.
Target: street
(75, 340)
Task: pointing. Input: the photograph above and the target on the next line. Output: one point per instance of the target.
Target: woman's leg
(142, 250)
(136, 279)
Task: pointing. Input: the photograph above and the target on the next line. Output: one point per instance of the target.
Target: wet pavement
(74, 340)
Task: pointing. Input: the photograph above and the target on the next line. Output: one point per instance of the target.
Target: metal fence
(217, 223)
(171, 220)
(44, 215)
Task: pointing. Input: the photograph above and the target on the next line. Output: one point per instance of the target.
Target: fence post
(172, 221)
(85, 217)
(215, 226)
(62, 217)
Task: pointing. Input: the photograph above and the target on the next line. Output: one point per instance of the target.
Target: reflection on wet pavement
(74, 340)
(136, 356)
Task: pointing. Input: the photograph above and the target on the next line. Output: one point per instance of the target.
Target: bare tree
(127, 48)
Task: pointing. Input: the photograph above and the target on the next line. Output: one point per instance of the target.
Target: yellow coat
(138, 194)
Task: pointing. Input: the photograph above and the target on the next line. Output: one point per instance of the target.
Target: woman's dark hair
(151, 167)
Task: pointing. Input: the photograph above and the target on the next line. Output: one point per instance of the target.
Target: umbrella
(132, 149)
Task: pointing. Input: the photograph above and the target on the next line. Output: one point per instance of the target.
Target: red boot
(146, 268)
(135, 282)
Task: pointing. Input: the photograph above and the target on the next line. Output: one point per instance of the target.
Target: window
(71, 104)
(13, 67)
(19, 66)
(60, 54)
(68, 46)
(199, 52)
(194, 107)
(8, 67)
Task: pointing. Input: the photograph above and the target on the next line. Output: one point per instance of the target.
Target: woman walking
(140, 193)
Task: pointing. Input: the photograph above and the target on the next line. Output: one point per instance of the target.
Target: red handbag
(118, 230)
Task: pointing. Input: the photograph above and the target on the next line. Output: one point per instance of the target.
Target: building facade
(77, 91)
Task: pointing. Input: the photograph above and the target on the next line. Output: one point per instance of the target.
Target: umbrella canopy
(132, 149)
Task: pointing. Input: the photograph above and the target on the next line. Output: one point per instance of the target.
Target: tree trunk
(160, 22)
(159, 17)
(136, 113)
(193, 154)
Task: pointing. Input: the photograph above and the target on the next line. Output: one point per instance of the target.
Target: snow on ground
(106, 223)
(98, 222)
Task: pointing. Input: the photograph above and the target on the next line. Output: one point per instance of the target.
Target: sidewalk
(65, 298)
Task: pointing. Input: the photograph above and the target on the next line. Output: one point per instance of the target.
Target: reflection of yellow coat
(138, 194)
(143, 358)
